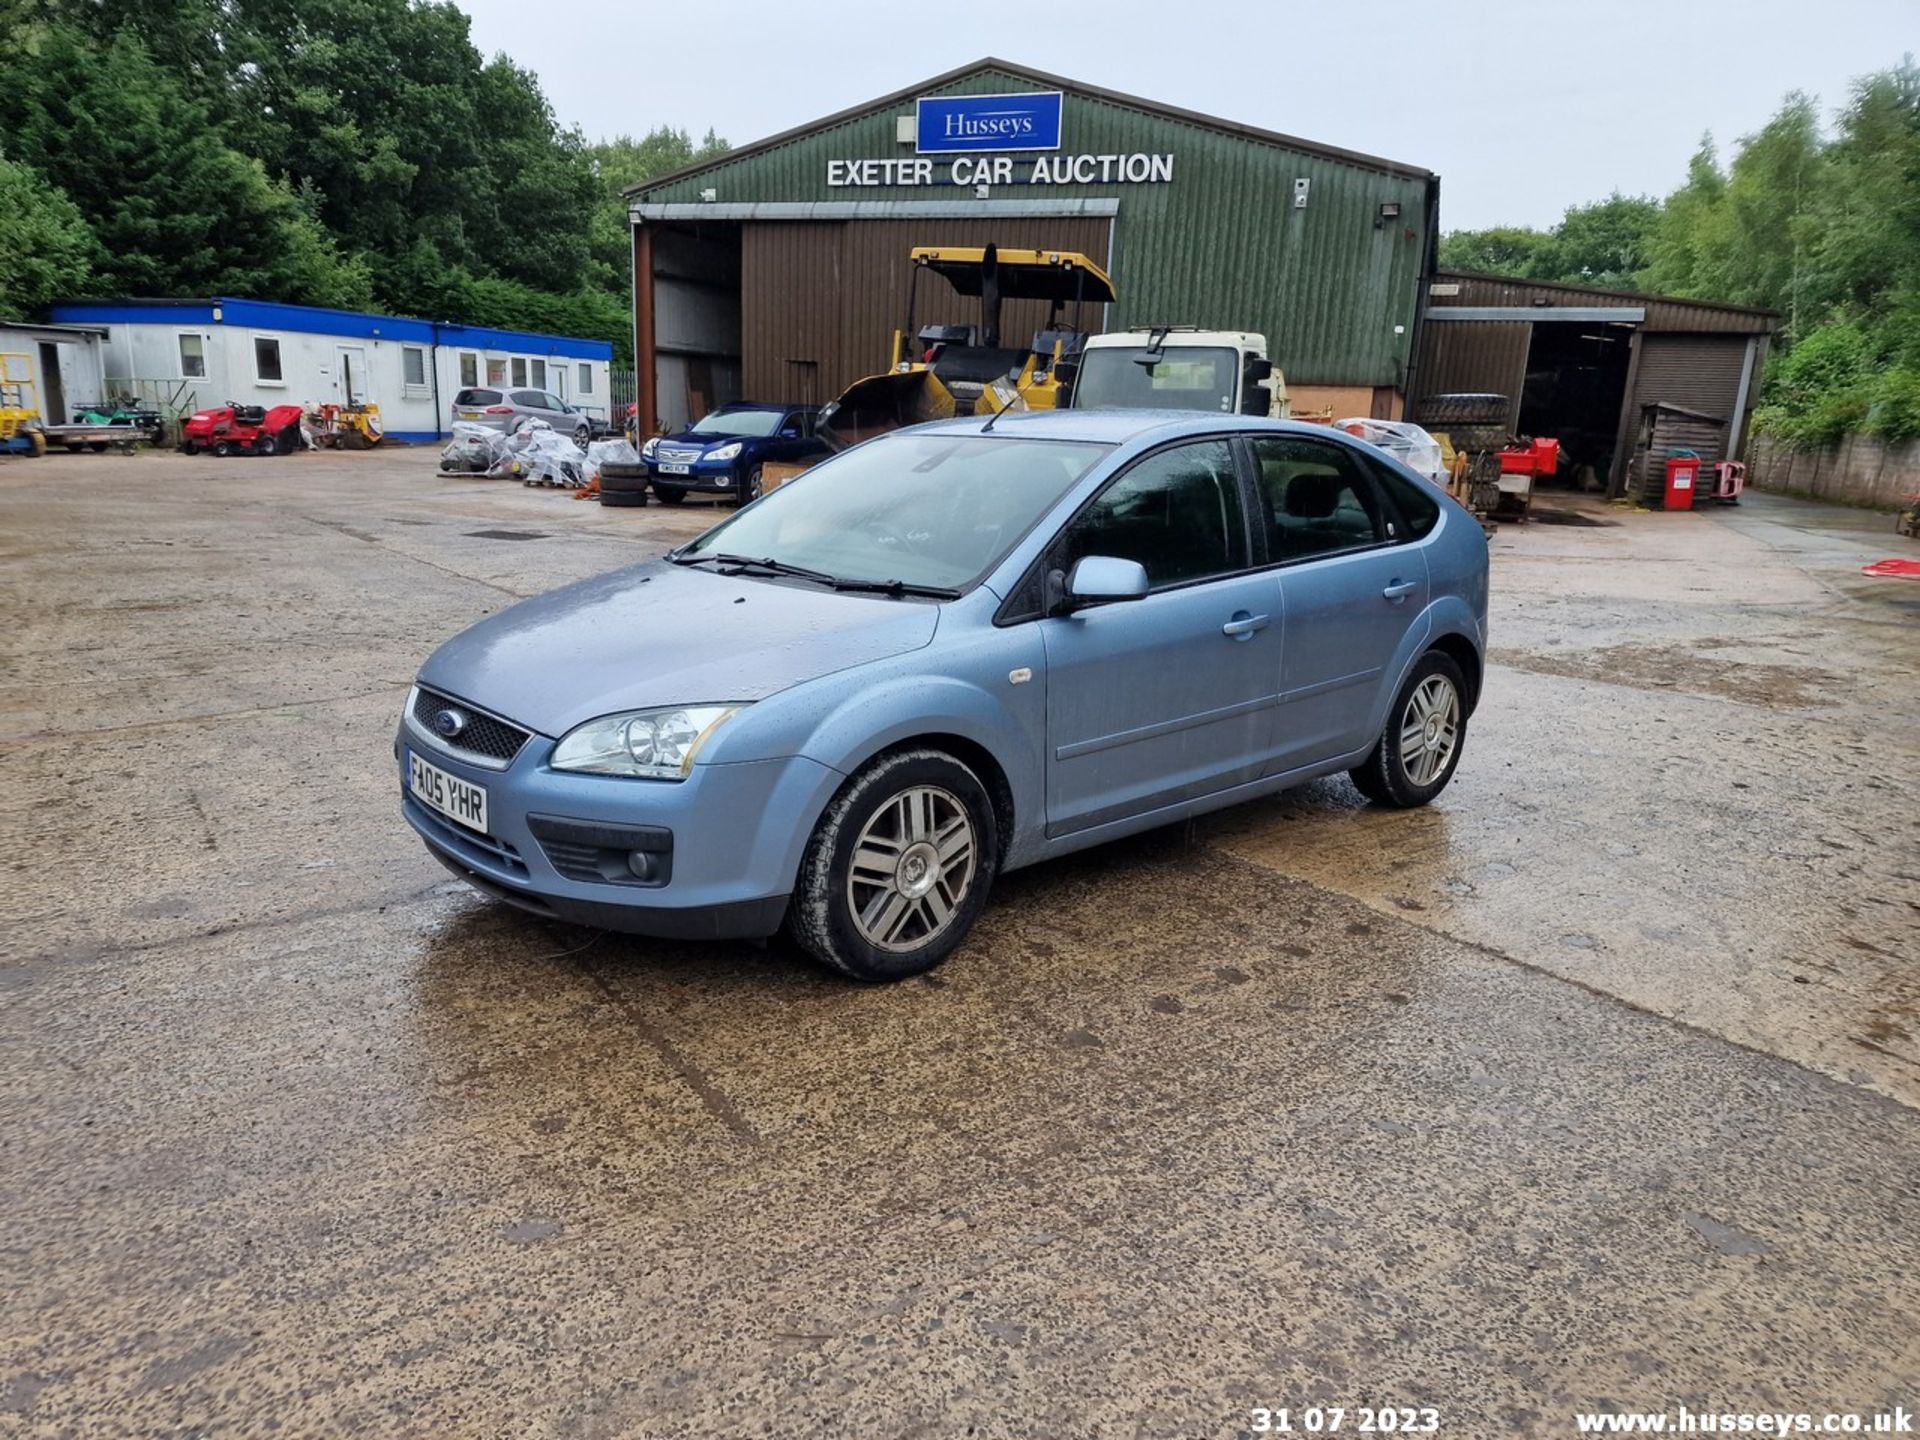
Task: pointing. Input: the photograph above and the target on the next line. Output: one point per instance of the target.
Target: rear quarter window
(477, 397)
(1417, 506)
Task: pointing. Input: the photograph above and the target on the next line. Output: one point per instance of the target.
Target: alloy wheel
(1429, 729)
(912, 867)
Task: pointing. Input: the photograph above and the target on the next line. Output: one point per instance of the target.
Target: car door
(807, 418)
(527, 405)
(1352, 588)
(559, 414)
(1160, 699)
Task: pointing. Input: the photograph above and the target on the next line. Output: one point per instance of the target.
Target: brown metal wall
(1461, 357)
(820, 300)
(1664, 312)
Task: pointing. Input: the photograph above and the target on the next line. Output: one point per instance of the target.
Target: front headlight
(646, 450)
(726, 452)
(650, 744)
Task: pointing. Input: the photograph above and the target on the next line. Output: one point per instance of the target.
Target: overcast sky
(1522, 106)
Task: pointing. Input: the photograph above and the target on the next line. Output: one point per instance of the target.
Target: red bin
(1681, 477)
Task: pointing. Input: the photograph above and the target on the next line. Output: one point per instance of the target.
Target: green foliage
(46, 249)
(174, 208)
(1602, 244)
(1503, 250)
(361, 153)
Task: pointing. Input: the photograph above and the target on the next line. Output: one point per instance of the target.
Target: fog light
(644, 864)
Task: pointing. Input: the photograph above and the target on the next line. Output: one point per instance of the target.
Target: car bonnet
(663, 634)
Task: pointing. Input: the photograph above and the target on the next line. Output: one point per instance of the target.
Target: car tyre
(898, 869)
(1420, 747)
(669, 494)
(746, 489)
(583, 436)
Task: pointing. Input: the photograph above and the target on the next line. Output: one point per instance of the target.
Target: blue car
(943, 654)
(723, 451)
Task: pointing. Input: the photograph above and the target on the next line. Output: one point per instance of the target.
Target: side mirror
(1258, 369)
(1097, 579)
(790, 433)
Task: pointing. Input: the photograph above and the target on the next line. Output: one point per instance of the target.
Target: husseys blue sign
(952, 123)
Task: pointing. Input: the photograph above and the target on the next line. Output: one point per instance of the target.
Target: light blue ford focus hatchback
(943, 654)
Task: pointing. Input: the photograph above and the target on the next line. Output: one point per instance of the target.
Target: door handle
(1399, 590)
(1243, 625)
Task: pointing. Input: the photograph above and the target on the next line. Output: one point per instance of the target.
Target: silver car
(503, 407)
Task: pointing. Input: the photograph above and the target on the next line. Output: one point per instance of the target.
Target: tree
(1601, 244)
(46, 249)
(175, 210)
(1674, 263)
(1503, 250)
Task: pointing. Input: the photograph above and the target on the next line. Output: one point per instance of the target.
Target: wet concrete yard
(1595, 1086)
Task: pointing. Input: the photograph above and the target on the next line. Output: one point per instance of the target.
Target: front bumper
(700, 476)
(730, 836)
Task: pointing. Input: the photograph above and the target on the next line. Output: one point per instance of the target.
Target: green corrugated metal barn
(779, 272)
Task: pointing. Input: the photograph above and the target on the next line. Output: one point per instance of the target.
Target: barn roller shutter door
(1694, 372)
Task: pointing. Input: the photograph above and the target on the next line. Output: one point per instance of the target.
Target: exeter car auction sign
(965, 126)
(1003, 170)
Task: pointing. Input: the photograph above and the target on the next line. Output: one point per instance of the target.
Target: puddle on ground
(1683, 668)
(1570, 517)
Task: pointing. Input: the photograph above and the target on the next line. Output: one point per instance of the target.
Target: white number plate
(453, 797)
(676, 469)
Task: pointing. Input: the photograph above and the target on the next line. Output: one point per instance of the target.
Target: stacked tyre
(623, 484)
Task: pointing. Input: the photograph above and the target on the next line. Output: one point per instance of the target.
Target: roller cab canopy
(1056, 275)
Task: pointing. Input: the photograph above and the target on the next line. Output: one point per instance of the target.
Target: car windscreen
(1177, 378)
(477, 397)
(736, 422)
(935, 510)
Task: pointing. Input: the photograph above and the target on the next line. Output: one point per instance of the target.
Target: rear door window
(1317, 499)
(529, 399)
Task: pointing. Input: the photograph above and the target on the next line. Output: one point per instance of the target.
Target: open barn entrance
(1576, 382)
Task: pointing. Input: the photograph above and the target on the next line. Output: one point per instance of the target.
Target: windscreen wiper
(749, 562)
(896, 587)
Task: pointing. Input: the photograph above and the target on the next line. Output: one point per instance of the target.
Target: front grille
(484, 736)
(470, 845)
(678, 454)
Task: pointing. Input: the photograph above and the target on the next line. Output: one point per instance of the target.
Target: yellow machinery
(20, 431)
(345, 427)
(965, 369)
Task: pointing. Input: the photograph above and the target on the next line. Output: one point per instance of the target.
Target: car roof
(1117, 427)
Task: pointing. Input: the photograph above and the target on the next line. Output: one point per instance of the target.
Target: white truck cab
(1223, 372)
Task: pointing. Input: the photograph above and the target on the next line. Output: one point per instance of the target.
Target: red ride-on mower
(232, 429)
